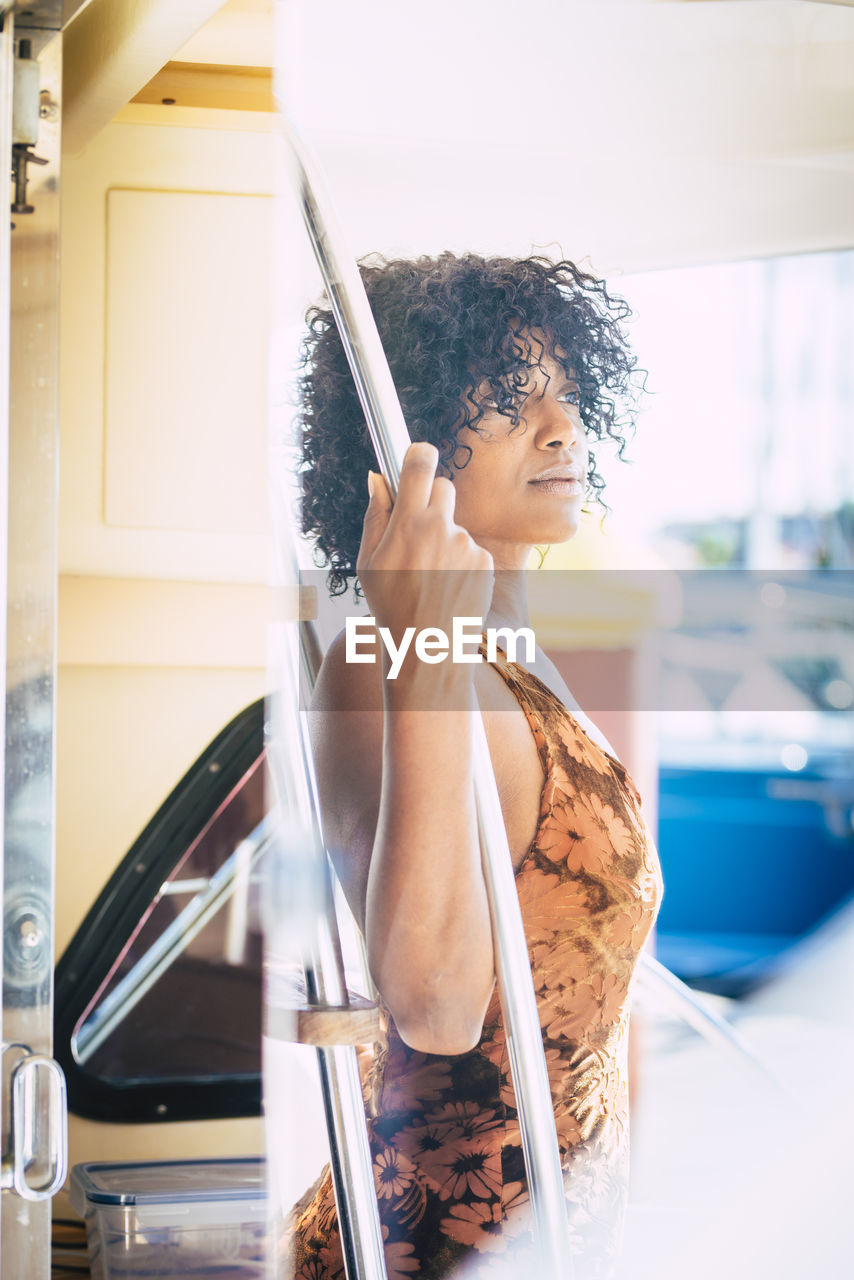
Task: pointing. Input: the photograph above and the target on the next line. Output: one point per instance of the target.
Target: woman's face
(524, 485)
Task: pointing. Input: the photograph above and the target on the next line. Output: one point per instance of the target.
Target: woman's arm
(396, 783)
(398, 812)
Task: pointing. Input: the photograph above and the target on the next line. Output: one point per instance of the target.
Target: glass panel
(6, 51)
(750, 365)
(30, 607)
(183, 999)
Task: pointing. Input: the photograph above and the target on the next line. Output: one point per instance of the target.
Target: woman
(505, 370)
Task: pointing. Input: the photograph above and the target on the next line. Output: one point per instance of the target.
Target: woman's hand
(417, 567)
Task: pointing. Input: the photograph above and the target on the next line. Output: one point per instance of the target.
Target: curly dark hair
(447, 324)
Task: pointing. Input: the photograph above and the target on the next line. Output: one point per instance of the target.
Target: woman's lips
(563, 488)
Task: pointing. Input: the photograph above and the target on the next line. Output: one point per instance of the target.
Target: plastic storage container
(174, 1218)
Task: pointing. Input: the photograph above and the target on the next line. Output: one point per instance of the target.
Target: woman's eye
(490, 404)
(571, 397)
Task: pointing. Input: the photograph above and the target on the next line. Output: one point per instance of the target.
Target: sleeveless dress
(444, 1131)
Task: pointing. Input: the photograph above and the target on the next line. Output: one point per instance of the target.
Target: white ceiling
(637, 133)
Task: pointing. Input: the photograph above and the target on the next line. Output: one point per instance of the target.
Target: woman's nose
(558, 428)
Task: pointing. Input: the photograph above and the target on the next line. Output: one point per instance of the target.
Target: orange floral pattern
(444, 1131)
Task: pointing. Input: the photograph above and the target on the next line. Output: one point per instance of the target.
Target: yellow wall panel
(171, 277)
(134, 622)
(188, 324)
(125, 737)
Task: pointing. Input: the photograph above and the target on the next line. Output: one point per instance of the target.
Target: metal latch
(35, 1154)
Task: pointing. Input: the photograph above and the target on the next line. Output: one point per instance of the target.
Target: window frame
(100, 939)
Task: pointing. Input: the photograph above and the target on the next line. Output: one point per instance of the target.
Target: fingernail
(371, 482)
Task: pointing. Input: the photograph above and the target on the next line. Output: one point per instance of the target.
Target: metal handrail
(696, 1013)
(292, 769)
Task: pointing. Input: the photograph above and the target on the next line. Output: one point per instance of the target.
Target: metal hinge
(27, 108)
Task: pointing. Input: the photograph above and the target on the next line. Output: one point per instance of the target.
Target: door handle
(38, 1127)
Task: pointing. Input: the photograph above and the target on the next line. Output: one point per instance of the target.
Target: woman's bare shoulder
(347, 730)
(346, 686)
(346, 725)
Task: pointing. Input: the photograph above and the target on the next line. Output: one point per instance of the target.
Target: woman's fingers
(376, 518)
(443, 497)
(416, 479)
(421, 488)
(415, 493)
(408, 525)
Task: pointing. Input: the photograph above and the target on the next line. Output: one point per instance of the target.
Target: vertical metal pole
(7, 35)
(524, 1037)
(292, 766)
(35, 1155)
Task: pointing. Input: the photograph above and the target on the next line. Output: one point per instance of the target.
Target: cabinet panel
(186, 357)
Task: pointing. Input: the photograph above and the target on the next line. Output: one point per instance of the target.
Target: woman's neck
(509, 599)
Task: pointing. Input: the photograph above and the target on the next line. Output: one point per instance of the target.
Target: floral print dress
(444, 1131)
